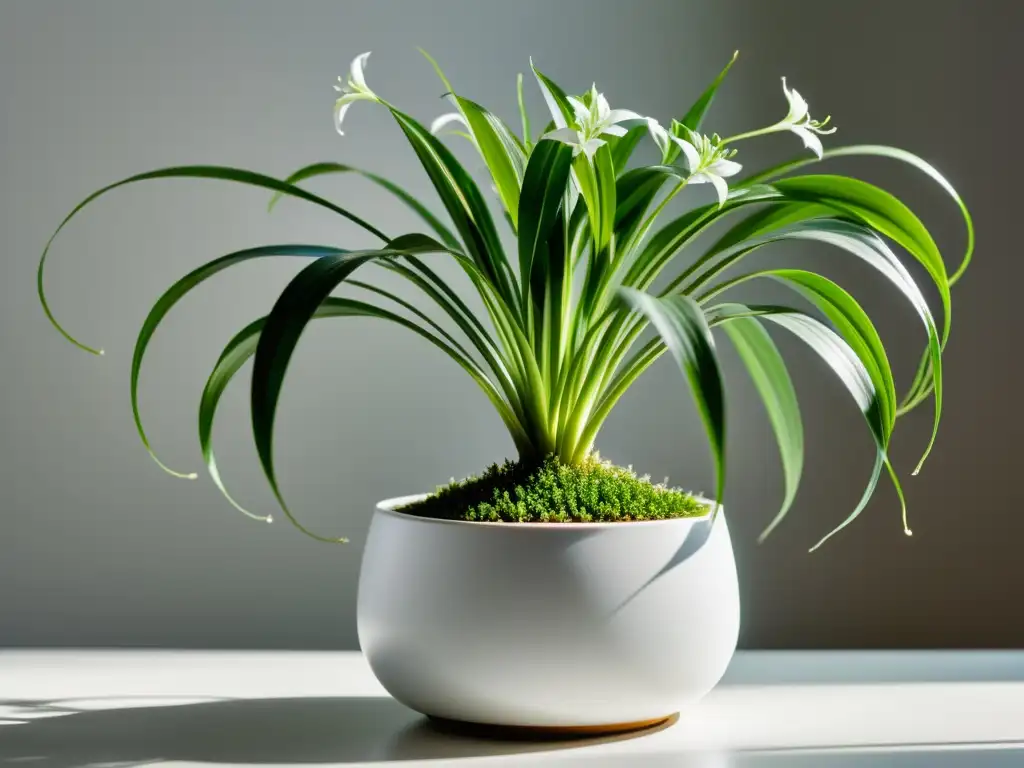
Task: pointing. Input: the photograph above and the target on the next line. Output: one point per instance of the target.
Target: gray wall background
(98, 547)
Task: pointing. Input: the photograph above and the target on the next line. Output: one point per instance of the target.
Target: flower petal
(658, 134)
(689, 152)
(442, 120)
(341, 107)
(797, 104)
(581, 111)
(810, 139)
(564, 135)
(590, 147)
(720, 187)
(725, 168)
(622, 115)
(356, 69)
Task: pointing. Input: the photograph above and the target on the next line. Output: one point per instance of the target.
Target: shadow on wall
(140, 730)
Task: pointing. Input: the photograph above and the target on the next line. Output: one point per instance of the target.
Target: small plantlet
(559, 340)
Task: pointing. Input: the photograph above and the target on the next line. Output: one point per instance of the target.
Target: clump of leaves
(559, 338)
(552, 491)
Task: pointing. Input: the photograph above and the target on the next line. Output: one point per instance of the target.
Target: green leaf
(876, 150)
(323, 169)
(291, 313)
(597, 187)
(770, 219)
(243, 345)
(634, 192)
(561, 110)
(464, 203)
(500, 151)
(863, 243)
(921, 386)
(768, 372)
(547, 175)
(524, 116)
(854, 326)
(178, 291)
(695, 115)
(190, 172)
(845, 363)
(882, 212)
(623, 146)
(667, 242)
(681, 324)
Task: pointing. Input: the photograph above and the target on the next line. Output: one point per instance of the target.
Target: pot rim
(387, 507)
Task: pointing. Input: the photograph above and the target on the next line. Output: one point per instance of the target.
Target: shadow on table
(75, 734)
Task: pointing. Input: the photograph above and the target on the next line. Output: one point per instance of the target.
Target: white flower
(591, 122)
(799, 121)
(659, 134)
(354, 89)
(708, 161)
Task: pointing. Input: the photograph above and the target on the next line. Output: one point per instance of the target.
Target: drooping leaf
(178, 291)
(323, 169)
(768, 372)
(922, 386)
(680, 323)
(882, 212)
(894, 153)
(291, 313)
(847, 366)
(187, 172)
(861, 242)
(244, 344)
(852, 324)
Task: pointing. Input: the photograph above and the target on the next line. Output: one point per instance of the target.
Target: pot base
(544, 732)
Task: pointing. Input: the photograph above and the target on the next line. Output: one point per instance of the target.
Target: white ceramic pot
(557, 625)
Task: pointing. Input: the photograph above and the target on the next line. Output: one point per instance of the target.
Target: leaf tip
(908, 532)
(101, 352)
(190, 476)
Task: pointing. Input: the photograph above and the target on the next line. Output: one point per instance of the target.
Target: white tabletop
(113, 709)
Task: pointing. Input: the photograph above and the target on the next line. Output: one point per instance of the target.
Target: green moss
(553, 492)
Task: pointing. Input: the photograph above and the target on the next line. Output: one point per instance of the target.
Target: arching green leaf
(178, 291)
(324, 169)
(187, 172)
(244, 344)
(681, 325)
(768, 372)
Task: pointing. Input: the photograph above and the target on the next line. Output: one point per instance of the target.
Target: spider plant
(560, 337)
